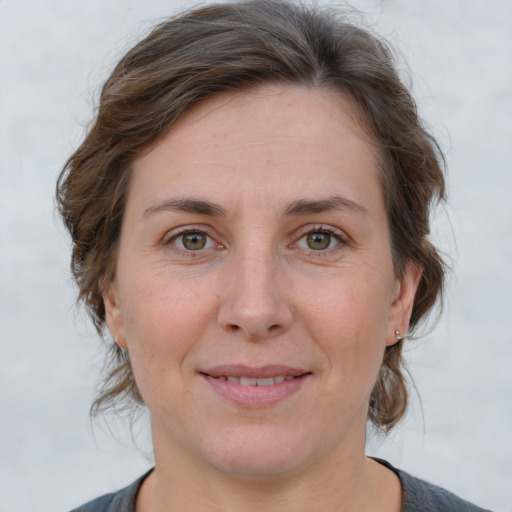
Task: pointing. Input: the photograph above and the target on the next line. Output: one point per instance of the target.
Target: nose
(254, 300)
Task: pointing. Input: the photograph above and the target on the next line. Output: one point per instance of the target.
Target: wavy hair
(231, 46)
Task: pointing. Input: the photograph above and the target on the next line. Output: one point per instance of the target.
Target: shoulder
(120, 501)
(421, 496)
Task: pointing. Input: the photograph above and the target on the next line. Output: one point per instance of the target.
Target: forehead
(277, 140)
(315, 115)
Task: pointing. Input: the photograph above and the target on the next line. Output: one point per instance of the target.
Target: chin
(266, 456)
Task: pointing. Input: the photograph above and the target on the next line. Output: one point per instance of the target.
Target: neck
(344, 481)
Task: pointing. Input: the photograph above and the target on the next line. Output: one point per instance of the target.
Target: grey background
(53, 56)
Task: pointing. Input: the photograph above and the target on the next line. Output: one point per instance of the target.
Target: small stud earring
(398, 336)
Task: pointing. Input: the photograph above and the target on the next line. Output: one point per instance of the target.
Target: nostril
(274, 329)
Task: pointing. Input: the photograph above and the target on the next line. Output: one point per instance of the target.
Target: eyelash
(321, 229)
(318, 229)
(170, 241)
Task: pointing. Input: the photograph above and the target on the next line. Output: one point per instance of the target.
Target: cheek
(355, 306)
(165, 302)
(349, 322)
(164, 319)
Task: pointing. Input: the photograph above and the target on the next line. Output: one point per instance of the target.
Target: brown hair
(223, 47)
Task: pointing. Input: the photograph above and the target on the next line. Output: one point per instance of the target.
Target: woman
(250, 219)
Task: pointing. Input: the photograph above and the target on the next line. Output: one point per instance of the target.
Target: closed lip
(260, 372)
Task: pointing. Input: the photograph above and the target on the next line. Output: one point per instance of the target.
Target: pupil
(194, 241)
(318, 241)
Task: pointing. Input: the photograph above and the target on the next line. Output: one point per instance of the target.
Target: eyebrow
(298, 207)
(307, 207)
(189, 205)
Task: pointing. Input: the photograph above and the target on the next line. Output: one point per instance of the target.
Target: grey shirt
(418, 496)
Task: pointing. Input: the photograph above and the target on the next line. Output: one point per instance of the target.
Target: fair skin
(255, 245)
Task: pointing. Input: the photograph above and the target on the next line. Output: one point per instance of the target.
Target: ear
(113, 314)
(403, 301)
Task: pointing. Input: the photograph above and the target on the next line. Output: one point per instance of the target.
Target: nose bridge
(255, 302)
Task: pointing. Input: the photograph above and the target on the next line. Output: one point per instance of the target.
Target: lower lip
(256, 396)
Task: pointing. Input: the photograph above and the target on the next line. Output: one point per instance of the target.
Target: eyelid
(178, 232)
(340, 236)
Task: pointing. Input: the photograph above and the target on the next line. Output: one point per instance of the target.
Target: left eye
(193, 241)
(318, 241)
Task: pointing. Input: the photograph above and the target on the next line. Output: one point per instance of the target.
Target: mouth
(256, 387)
(253, 381)
(255, 376)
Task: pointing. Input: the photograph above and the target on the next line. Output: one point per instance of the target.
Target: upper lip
(260, 372)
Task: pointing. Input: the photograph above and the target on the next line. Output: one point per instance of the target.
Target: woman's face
(254, 286)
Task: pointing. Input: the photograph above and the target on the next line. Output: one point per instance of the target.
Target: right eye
(191, 241)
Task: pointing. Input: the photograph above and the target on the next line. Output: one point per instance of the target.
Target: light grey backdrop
(53, 56)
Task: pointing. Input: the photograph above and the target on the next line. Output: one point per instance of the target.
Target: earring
(398, 336)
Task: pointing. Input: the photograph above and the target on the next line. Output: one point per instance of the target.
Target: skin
(260, 292)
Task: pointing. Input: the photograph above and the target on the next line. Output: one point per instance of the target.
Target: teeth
(250, 381)
(265, 382)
